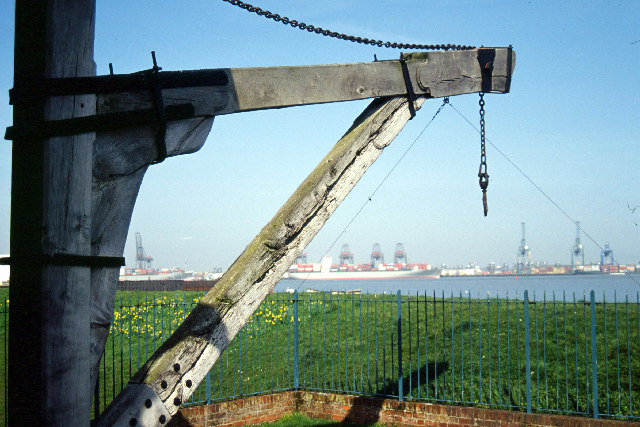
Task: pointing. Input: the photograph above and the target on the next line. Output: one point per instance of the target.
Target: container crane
(400, 255)
(346, 257)
(606, 256)
(377, 257)
(577, 253)
(143, 261)
(524, 256)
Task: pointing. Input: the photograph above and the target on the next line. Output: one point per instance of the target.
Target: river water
(606, 287)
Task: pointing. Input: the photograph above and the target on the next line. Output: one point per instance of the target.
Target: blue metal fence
(552, 353)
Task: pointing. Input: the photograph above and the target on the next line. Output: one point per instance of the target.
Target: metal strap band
(75, 260)
(101, 122)
(115, 83)
(161, 131)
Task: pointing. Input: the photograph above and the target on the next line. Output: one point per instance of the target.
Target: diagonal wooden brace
(176, 369)
(119, 167)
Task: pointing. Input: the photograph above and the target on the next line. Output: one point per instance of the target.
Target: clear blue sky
(571, 124)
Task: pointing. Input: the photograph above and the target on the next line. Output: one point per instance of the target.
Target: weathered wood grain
(177, 368)
(67, 207)
(433, 74)
(55, 352)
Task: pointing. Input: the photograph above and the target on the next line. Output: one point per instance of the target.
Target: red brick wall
(237, 412)
(358, 409)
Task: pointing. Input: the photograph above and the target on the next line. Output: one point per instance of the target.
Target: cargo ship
(605, 269)
(137, 274)
(326, 270)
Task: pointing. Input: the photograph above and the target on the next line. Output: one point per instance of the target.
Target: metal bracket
(161, 143)
(486, 57)
(411, 96)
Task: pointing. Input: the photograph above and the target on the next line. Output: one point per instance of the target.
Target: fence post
(594, 358)
(96, 396)
(296, 383)
(527, 353)
(207, 387)
(399, 346)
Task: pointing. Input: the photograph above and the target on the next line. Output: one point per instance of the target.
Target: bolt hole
(133, 422)
(163, 384)
(188, 383)
(176, 367)
(162, 419)
(177, 401)
(147, 403)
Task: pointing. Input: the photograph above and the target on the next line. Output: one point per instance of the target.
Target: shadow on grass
(366, 410)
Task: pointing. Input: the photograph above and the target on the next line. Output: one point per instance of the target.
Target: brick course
(366, 410)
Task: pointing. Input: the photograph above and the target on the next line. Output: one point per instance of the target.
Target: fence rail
(553, 353)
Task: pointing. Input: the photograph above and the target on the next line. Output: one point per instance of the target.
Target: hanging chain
(328, 33)
(482, 173)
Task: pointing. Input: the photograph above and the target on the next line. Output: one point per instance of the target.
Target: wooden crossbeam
(432, 74)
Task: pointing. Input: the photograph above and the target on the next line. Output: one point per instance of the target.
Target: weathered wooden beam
(432, 74)
(173, 373)
(50, 214)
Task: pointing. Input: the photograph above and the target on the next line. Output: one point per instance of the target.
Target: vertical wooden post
(50, 214)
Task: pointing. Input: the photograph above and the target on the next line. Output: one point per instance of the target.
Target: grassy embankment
(475, 349)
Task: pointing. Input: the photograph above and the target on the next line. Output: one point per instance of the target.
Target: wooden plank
(176, 369)
(53, 39)
(433, 74)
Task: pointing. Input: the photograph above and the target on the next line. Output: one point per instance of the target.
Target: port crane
(400, 256)
(377, 257)
(346, 257)
(606, 255)
(524, 255)
(577, 252)
(81, 146)
(142, 260)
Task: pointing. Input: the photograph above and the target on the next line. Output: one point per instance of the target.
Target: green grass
(474, 349)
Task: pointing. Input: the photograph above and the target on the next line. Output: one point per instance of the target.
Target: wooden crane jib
(141, 118)
(173, 372)
(150, 96)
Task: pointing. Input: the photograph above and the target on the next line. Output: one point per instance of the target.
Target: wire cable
(369, 199)
(537, 187)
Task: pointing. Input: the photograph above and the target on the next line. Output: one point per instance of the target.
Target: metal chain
(483, 176)
(328, 33)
